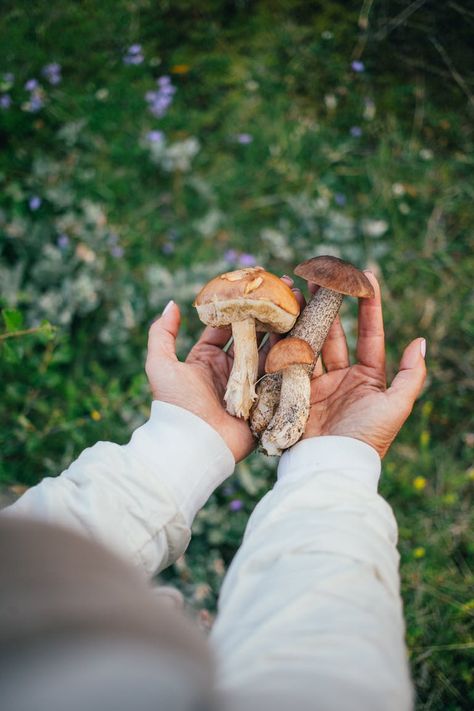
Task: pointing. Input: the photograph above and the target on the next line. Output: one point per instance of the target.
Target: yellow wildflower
(424, 438)
(427, 408)
(180, 69)
(96, 416)
(419, 552)
(468, 606)
(419, 483)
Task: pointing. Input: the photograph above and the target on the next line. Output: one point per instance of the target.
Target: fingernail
(167, 307)
(285, 276)
(423, 347)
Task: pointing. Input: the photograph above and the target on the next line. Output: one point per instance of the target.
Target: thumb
(163, 332)
(408, 383)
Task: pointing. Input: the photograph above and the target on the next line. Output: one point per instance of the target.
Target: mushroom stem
(312, 326)
(290, 419)
(316, 319)
(240, 393)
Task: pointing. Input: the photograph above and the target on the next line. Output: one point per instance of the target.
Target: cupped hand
(198, 384)
(353, 401)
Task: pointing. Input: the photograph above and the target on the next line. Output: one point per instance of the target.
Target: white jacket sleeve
(310, 615)
(138, 499)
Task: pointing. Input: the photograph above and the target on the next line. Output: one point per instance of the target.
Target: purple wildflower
(231, 256)
(229, 489)
(35, 203)
(63, 241)
(31, 85)
(247, 260)
(36, 102)
(155, 136)
(5, 101)
(133, 59)
(356, 131)
(168, 248)
(117, 251)
(236, 505)
(8, 77)
(52, 72)
(112, 239)
(159, 100)
(340, 199)
(358, 66)
(244, 138)
(134, 55)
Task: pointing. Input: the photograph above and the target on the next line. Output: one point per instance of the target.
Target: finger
(312, 288)
(214, 336)
(371, 340)
(335, 352)
(408, 383)
(163, 332)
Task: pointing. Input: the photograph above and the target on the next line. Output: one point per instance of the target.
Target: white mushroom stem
(290, 419)
(240, 393)
(312, 326)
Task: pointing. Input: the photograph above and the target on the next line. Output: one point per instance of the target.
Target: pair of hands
(350, 401)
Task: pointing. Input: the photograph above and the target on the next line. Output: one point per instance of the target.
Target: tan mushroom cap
(248, 293)
(335, 274)
(289, 351)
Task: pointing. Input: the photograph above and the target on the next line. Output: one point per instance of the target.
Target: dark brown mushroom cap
(289, 351)
(335, 274)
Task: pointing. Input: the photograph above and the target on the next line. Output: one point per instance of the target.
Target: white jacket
(310, 611)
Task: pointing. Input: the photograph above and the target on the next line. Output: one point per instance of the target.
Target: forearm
(311, 608)
(138, 499)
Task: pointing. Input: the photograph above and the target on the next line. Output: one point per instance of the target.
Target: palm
(353, 401)
(207, 372)
(350, 402)
(198, 384)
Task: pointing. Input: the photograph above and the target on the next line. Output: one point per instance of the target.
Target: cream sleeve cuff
(340, 455)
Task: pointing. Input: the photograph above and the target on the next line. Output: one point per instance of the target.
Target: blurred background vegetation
(147, 146)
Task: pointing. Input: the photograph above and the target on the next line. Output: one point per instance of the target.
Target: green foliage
(375, 166)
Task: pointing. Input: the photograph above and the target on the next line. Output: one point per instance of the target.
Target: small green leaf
(46, 331)
(13, 319)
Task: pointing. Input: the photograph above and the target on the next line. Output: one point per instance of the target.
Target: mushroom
(293, 358)
(248, 300)
(335, 278)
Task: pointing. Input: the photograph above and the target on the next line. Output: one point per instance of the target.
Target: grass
(140, 229)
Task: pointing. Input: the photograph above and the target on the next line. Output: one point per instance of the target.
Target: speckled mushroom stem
(289, 421)
(240, 393)
(312, 326)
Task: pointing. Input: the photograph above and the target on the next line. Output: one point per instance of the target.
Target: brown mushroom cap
(248, 293)
(289, 351)
(335, 274)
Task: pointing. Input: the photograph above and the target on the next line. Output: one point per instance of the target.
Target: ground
(147, 146)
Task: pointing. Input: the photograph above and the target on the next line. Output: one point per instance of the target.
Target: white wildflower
(374, 228)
